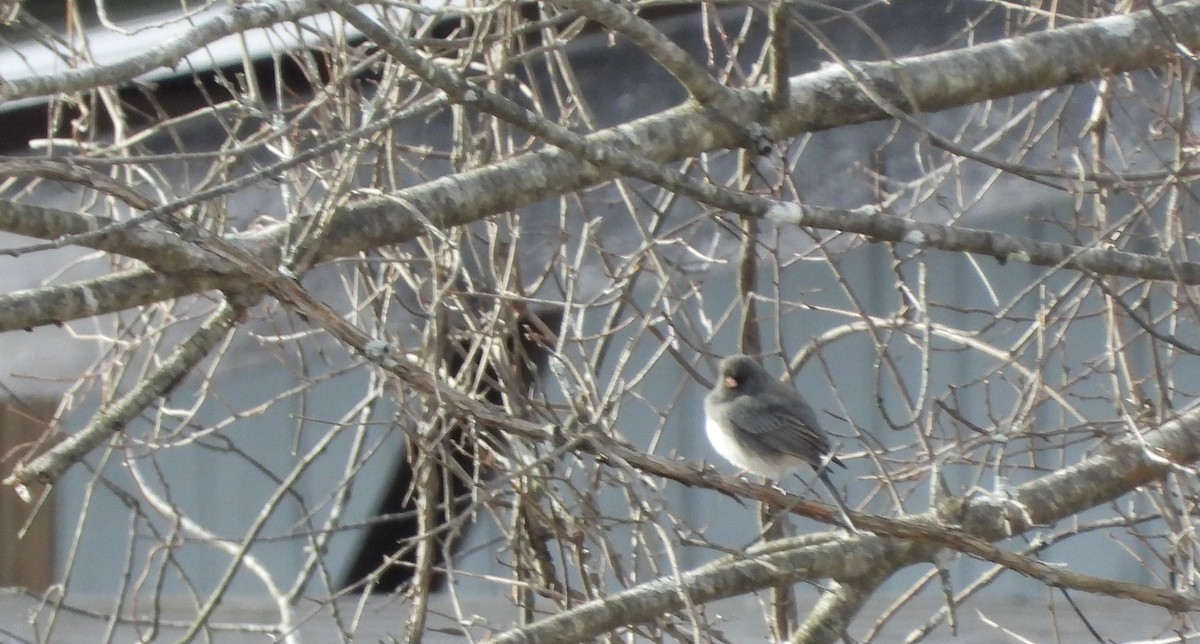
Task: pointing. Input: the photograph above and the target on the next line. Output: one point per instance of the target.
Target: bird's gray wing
(780, 425)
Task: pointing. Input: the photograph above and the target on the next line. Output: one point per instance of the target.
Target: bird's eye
(731, 382)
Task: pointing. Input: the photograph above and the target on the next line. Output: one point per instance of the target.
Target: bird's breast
(726, 443)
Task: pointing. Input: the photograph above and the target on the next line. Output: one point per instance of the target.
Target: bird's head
(740, 374)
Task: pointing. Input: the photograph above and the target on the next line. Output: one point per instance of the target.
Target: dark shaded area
(148, 103)
(528, 349)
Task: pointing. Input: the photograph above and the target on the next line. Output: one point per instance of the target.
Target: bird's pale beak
(730, 382)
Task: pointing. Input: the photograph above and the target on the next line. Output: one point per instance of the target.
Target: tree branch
(736, 107)
(895, 544)
(67, 172)
(236, 19)
(832, 614)
(99, 296)
(48, 467)
(818, 100)
(162, 250)
(871, 222)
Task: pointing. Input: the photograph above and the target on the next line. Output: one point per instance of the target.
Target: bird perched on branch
(765, 427)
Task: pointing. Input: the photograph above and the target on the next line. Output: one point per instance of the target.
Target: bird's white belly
(729, 448)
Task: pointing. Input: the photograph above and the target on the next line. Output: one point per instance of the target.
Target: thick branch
(832, 614)
(819, 100)
(725, 578)
(108, 294)
(834, 97)
(162, 250)
(1126, 465)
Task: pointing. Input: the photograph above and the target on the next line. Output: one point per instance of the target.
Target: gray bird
(762, 425)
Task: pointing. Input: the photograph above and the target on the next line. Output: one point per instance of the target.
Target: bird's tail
(845, 512)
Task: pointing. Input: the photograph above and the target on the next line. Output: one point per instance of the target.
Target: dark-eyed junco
(764, 426)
